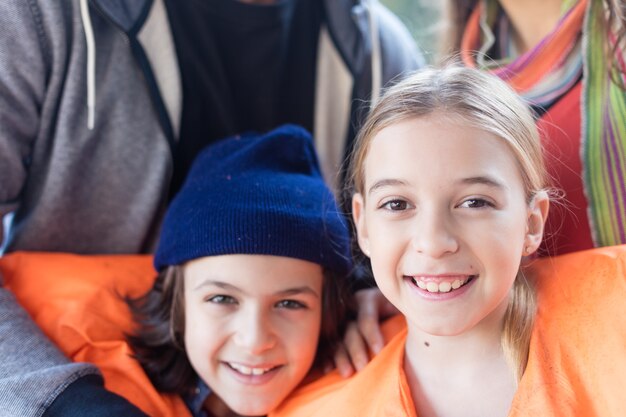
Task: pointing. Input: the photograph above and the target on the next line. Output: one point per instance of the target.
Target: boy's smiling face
(252, 324)
(444, 219)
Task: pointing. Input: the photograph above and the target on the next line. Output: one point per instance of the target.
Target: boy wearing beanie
(252, 260)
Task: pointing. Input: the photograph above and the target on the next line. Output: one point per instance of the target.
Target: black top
(87, 397)
(243, 67)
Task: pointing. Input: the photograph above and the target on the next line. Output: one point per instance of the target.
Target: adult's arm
(23, 73)
(37, 380)
(86, 396)
(34, 375)
(33, 372)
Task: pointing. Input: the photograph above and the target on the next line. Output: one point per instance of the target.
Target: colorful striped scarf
(574, 48)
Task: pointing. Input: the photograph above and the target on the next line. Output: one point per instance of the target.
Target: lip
(439, 278)
(252, 379)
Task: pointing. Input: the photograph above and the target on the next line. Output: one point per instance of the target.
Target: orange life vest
(577, 360)
(78, 301)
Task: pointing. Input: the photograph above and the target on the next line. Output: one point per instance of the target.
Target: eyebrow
(298, 290)
(385, 183)
(289, 291)
(219, 284)
(484, 180)
(480, 179)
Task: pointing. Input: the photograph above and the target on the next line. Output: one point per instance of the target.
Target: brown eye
(396, 205)
(290, 304)
(221, 299)
(476, 203)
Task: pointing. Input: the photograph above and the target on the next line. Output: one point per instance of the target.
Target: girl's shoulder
(577, 358)
(585, 283)
(379, 389)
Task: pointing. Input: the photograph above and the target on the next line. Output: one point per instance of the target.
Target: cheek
(501, 248)
(388, 244)
(506, 236)
(385, 237)
(202, 338)
(301, 338)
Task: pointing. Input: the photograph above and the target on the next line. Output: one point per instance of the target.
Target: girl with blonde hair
(450, 196)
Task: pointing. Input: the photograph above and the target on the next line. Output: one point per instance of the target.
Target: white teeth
(248, 371)
(242, 369)
(442, 287)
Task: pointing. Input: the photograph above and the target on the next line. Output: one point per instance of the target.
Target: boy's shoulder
(79, 303)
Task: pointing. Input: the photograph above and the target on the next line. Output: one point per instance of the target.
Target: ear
(537, 215)
(358, 215)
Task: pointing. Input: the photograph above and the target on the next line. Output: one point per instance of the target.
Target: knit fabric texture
(256, 194)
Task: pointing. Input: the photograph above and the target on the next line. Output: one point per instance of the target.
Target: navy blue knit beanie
(256, 194)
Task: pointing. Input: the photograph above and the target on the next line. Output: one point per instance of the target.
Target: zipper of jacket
(91, 63)
(162, 114)
(375, 55)
(142, 60)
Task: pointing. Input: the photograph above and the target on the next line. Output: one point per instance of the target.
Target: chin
(442, 328)
(253, 407)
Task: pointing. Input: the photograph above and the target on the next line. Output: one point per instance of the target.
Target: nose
(254, 331)
(434, 234)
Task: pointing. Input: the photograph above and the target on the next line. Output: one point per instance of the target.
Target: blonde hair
(487, 103)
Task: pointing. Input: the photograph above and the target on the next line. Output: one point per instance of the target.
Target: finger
(370, 332)
(342, 362)
(328, 366)
(370, 304)
(356, 347)
(387, 309)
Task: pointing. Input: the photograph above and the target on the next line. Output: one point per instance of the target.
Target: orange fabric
(378, 390)
(78, 302)
(577, 363)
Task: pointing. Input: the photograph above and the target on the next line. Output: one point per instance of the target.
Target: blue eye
(476, 203)
(395, 205)
(221, 299)
(290, 304)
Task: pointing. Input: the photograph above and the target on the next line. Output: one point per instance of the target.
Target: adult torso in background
(243, 67)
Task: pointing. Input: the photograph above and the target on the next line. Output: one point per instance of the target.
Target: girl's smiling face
(444, 218)
(252, 324)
